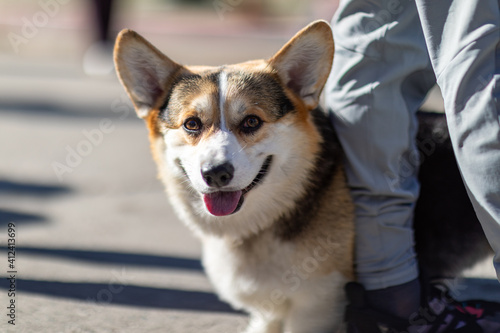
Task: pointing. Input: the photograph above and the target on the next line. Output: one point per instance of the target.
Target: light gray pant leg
(463, 38)
(380, 76)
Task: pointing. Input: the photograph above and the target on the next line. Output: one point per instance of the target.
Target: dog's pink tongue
(222, 203)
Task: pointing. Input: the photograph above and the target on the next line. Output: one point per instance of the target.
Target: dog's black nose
(219, 175)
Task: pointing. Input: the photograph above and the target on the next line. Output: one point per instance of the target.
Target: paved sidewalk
(98, 248)
(101, 250)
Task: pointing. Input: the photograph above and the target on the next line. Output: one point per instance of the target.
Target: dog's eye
(193, 125)
(251, 124)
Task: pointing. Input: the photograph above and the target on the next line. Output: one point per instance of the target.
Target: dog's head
(226, 133)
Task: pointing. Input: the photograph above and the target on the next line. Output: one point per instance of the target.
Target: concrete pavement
(98, 248)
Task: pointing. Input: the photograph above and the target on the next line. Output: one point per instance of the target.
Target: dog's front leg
(263, 324)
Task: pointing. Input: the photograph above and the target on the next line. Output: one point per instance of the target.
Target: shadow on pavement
(463, 289)
(116, 294)
(116, 110)
(12, 189)
(8, 216)
(29, 189)
(117, 258)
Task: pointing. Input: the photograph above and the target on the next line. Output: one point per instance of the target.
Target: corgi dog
(254, 168)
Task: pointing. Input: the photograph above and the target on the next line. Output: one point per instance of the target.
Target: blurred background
(98, 248)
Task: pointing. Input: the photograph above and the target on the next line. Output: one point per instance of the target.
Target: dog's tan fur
(283, 262)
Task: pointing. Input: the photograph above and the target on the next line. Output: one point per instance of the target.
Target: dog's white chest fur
(268, 278)
(240, 272)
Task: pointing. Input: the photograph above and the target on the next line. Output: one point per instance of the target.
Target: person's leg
(380, 76)
(463, 39)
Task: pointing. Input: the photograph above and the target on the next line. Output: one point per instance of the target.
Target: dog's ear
(304, 63)
(143, 70)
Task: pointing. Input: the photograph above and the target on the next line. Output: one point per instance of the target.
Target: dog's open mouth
(224, 203)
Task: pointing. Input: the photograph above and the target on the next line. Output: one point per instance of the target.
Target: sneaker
(440, 314)
(98, 59)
